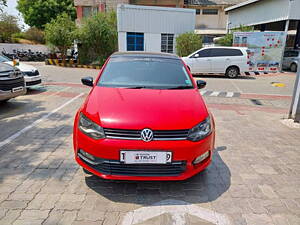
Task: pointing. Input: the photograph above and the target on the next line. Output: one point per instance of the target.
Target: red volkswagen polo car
(144, 119)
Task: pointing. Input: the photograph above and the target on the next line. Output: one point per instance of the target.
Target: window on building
(210, 11)
(88, 10)
(167, 43)
(135, 41)
(198, 11)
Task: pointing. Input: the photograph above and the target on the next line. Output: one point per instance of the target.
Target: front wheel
(4, 101)
(294, 67)
(232, 72)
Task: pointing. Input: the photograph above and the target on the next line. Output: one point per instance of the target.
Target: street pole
(295, 105)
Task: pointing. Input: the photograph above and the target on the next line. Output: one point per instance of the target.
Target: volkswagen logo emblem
(147, 135)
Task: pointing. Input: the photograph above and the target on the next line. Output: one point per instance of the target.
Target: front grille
(33, 82)
(9, 84)
(158, 135)
(114, 167)
(32, 74)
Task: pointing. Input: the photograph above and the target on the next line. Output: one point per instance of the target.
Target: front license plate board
(16, 89)
(145, 157)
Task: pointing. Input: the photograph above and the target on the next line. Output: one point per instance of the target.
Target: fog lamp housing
(201, 158)
(86, 157)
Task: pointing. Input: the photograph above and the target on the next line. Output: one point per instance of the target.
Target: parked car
(231, 61)
(31, 74)
(144, 119)
(12, 82)
(291, 60)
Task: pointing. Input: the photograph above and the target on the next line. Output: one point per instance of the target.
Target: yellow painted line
(275, 84)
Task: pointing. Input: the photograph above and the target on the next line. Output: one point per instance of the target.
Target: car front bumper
(108, 152)
(4, 95)
(32, 80)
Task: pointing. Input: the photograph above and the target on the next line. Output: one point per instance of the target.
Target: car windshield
(4, 59)
(143, 72)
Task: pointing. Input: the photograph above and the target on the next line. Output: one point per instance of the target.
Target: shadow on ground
(224, 77)
(204, 187)
(38, 151)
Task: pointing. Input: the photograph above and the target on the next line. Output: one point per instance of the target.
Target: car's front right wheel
(294, 67)
(232, 72)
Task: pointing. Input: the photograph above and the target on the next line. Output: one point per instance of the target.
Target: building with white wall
(152, 29)
(268, 15)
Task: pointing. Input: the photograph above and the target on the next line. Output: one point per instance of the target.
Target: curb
(55, 62)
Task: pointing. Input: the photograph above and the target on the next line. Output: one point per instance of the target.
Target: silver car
(291, 60)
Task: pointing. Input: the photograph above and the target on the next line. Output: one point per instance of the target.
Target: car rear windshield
(142, 72)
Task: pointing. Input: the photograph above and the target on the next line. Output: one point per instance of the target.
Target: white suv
(231, 61)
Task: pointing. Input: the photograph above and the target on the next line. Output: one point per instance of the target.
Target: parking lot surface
(253, 179)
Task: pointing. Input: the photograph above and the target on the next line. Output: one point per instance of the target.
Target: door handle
(208, 60)
(227, 59)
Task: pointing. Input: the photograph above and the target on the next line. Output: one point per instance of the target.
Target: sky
(12, 10)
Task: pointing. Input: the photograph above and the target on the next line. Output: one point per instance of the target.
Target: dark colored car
(12, 82)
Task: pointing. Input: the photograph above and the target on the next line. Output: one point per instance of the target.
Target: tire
(4, 101)
(232, 72)
(86, 171)
(294, 67)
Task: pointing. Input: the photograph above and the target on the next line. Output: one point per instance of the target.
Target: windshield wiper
(135, 87)
(180, 87)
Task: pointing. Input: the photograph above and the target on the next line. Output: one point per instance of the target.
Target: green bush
(34, 34)
(98, 38)
(19, 35)
(61, 33)
(187, 43)
(227, 40)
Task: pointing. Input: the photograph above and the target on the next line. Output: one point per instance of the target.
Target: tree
(187, 43)
(60, 32)
(227, 40)
(2, 3)
(37, 13)
(98, 37)
(8, 27)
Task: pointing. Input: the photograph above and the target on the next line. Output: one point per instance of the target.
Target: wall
(211, 21)
(166, 3)
(152, 42)
(155, 19)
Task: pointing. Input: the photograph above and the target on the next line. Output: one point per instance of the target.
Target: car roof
(145, 55)
(229, 47)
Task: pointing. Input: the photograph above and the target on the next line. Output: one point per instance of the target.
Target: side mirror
(201, 84)
(196, 55)
(88, 81)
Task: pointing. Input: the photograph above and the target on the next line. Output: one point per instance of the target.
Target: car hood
(23, 67)
(145, 108)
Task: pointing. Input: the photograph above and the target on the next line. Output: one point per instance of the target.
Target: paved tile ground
(253, 179)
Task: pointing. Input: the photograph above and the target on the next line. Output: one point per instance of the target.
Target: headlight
(90, 128)
(200, 131)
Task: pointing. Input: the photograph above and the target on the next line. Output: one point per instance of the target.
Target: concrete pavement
(253, 179)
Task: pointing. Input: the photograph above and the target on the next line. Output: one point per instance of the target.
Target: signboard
(265, 49)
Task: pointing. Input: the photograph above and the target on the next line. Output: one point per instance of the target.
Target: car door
(200, 62)
(219, 60)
